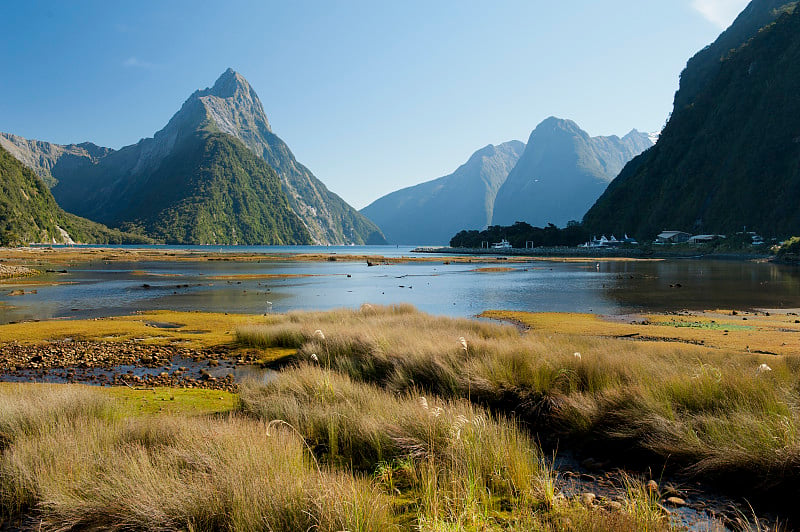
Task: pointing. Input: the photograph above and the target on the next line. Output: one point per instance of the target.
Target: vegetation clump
(521, 233)
(709, 413)
(789, 251)
(69, 456)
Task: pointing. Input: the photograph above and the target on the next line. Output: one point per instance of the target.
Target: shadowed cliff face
(47, 159)
(102, 185)
(705, 64)
(729, 155)
(29, 213)
(562, 172)
(432, 212)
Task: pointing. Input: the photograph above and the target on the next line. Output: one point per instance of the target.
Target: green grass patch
(175, 401)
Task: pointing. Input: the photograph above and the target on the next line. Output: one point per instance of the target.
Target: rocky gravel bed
(8, 272)
(122, 363)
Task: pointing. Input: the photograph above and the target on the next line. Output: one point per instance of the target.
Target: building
(604, 242)
(704, 239)
(672, 237)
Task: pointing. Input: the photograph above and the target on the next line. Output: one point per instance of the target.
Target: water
(101, 289)
(385, 250)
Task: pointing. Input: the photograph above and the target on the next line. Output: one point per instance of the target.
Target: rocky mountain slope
(46, 158)
(562, 172)
(211, 189)
(432, 212)
(729, 154)
(29, 213)
(102, 188)
(706, 63)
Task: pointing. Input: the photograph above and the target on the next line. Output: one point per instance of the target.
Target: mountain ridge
(433, 211)
(99, 188)
(29, 212)
(562, 172)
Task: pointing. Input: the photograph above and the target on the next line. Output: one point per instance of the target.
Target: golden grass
(717, 329)
(456, 463)
(197, 329)
(708, 410)
(72, 457)
(449, 464)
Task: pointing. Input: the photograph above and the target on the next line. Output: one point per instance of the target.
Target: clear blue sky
(370, 95)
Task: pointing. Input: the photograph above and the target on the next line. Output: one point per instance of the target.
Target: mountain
(432, 212)
(104, 187)
(46, 158)
(232, 107)
(706, 63)
(211, 189)
(562, 172)
(29, 213)
(728, 157)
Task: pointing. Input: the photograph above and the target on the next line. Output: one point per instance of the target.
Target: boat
(503, 244)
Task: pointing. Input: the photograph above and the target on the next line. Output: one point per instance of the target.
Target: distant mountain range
(555, 178)
(432, 212)
(729, 156)
(206, 178)
(562, 172)
(29, 213)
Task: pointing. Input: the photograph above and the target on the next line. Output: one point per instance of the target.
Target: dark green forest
(728, 158)
(520, 233)
(29, 213)
(213, 190)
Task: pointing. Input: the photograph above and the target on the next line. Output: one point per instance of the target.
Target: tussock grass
(73, 459)
(711, 412)
(68, 456)
(461, 463)
(449, 464)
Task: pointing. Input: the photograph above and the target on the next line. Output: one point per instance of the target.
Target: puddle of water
(179, 367)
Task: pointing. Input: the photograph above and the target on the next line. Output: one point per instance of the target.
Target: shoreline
(50, 256)
(20, 262)
(590, 254)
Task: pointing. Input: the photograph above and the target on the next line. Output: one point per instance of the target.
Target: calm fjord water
(102, 289)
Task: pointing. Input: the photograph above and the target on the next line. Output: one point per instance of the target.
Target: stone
(675, 501)
(587, 499)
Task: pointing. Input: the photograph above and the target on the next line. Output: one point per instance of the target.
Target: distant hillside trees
(521, 233)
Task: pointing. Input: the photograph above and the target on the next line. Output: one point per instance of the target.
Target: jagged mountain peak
(229, 84)
(562, 172)
(233, 106)
(433, 211)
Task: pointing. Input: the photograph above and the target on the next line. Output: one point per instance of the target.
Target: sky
(372, 96)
